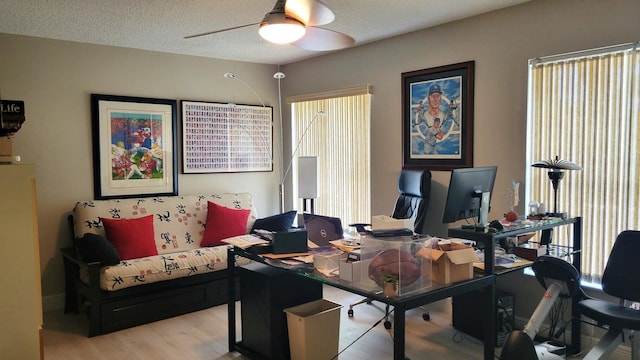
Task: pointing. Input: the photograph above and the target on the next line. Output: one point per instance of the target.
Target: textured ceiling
(160, 25)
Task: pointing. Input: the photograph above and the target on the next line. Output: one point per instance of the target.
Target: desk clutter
(394, 260)
(403, 263)
(388, 258)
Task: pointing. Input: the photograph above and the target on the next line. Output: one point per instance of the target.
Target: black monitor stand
(483, 211)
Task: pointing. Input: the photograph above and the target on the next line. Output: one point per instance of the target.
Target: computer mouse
(496, 225)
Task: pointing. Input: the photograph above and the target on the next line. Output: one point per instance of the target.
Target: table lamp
(556, 173)
(308, 181)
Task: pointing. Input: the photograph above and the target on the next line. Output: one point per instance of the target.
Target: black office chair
(621, 279)
(414, 187)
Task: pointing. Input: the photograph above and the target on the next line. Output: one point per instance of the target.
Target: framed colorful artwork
(221, 137)
(437, 117)
(134, 146)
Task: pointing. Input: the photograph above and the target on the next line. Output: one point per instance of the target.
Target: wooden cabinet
(265, 292)
(21, 294)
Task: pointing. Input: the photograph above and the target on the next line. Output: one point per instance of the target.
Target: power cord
(457, 337)
(508, 319)
(556, 316)
(361, 335)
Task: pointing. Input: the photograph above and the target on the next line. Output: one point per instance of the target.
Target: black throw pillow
(96, 248)
(279, 222)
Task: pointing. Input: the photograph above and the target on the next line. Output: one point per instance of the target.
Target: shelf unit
(21, 304)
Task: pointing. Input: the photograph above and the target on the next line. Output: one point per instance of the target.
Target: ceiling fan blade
(310, 12)
(219, 31)
(318, 39)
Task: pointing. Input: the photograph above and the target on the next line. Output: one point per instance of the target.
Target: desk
(545, 226)
(401, 303)
(265, 291)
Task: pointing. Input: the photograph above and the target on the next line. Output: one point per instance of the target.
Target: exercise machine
(560, 280)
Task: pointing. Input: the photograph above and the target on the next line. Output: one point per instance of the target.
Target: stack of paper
(245, 241)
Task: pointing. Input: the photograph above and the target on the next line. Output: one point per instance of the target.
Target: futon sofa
(135, 261)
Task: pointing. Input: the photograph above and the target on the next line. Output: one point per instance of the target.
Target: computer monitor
(469, 194)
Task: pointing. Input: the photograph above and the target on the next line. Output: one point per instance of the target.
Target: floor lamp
(278, 76)
(556, 173)
(283, 173)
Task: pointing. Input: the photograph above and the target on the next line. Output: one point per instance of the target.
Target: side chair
(621, 279)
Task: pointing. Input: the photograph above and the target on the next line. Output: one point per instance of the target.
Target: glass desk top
(416, 294)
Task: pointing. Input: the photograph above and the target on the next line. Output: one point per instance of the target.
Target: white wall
(55, 78)
(500, 43)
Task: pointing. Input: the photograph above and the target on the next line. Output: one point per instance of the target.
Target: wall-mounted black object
(11, 117)
(11, 120)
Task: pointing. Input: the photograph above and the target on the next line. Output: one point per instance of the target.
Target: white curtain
(338, 132)
(583, 107)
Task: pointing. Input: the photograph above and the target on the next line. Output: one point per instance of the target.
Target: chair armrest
(72, 264)
(70, 254)
(360, 227)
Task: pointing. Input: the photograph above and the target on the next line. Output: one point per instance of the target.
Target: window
(584, 107)
(340, 137)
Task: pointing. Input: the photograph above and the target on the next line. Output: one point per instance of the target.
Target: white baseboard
(53, 302)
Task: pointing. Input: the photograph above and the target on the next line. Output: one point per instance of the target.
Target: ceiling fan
(295, 22)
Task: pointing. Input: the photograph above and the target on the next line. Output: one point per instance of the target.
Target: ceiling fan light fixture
(281, 29)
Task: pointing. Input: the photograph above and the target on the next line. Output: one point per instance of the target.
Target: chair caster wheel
(387, 325)
(350, 313)
(426, 317)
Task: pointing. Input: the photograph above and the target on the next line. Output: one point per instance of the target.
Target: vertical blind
(340, 137)
(584, 107)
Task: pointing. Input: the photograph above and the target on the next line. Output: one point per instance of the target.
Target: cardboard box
(383, 222)
(510, 243)
(530, 251)
(356, 272)
(328, 260)
(6, 146)
(524, 238)
(393, 260)
(450, 262)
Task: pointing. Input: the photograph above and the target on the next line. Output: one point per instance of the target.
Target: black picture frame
(134, 146)
(226, 138)
(442, 139)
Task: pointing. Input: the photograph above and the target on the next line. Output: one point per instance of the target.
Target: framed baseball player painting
(437, 117)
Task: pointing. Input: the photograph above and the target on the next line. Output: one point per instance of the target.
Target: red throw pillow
(132, 238)
(222, 223)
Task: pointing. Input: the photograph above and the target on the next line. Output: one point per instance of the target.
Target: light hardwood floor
(203, 335)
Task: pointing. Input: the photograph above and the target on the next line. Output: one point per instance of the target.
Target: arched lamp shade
(556, 173)
(308, 180)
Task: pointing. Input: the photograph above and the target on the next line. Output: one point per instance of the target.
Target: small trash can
(314, 330)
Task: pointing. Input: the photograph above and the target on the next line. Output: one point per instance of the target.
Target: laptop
(322, 229)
